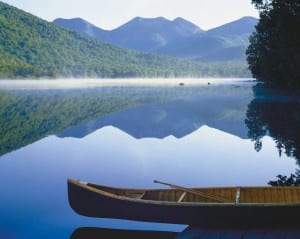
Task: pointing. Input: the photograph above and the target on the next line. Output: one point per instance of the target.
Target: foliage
(274, 51)
(31, 47)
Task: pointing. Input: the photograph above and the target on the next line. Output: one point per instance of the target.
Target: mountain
(32, 47)
(224, 43)
(240, 27)
(82, 26)
(143, 34)
(179, 37)
(151, 34)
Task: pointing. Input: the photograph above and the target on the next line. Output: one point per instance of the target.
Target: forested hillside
(32, 47)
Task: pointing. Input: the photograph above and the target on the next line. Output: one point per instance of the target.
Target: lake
(222, 132)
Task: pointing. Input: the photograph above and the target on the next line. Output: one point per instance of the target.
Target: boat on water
(192, 206)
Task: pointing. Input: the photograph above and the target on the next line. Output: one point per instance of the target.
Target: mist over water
(44, 84)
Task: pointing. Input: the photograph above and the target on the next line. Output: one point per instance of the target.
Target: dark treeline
(274, 51)
(32, 47)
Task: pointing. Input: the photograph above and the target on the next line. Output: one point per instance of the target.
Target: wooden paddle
(202, 194)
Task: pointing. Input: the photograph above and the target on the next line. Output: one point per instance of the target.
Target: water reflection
(30, 115)
(277, 115)
(27, 116)
(177, 118)
(292, 180)
(105, 233)
(191, 232)
(239, 233)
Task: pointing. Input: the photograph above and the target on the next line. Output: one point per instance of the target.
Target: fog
(45, 84)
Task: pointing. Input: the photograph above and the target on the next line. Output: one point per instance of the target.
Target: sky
(109, 14)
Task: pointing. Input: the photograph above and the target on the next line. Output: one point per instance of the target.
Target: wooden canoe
(197, 206)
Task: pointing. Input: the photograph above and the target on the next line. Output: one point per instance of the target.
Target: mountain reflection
(28, 116)
(177, 118)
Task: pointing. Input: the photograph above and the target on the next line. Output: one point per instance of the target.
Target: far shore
(45, 84)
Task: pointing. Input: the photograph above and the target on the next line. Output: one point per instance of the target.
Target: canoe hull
(92, 204)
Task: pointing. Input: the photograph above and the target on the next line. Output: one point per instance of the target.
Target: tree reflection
(254, 122)
(292, 180)
(28, 116)
(275, 114)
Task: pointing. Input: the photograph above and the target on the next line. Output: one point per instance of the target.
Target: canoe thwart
(238, 194)
(181, 197)
(199, 193)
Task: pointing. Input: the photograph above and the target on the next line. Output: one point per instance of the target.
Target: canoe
(190, 206)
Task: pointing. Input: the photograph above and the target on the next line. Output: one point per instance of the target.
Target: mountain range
(32, 47)
(179, 37)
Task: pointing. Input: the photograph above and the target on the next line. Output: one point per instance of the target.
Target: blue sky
(109, 14)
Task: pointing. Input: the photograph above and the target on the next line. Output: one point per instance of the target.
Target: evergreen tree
(274, 51)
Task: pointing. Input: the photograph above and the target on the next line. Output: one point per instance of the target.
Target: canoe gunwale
(91, 188)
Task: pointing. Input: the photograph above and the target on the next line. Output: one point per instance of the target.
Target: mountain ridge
(178, 37)
(248, 19)
(239, 25)
(142, 34)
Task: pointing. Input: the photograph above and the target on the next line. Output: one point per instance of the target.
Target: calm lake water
(226, 133)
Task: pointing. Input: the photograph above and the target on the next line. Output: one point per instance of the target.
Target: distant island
(33, 48)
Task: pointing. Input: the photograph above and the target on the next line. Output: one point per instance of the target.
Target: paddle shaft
(202, 194)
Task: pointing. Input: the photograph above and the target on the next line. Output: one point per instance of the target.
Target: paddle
(202, 194)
